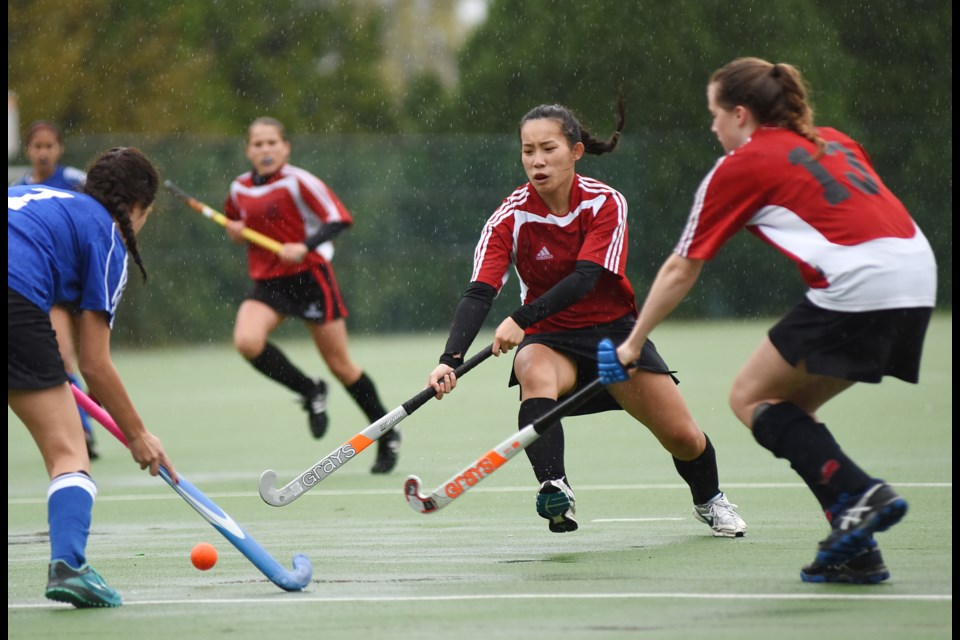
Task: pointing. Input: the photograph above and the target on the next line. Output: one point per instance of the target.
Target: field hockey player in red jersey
(297, 209)
(813, 194)
(565, 234)
(69, 247)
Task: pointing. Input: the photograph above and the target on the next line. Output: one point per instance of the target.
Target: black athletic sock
(701, 474)
(546, 454)
(272, 363)
(790, 433)
(364, 393)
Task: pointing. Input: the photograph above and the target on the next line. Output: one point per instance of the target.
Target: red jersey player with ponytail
(566, 236)
(812, 193)
(294, 207)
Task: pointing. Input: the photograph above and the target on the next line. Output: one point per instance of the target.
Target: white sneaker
(721, 515)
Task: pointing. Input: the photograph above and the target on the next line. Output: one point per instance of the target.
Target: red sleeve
(322, 200)
(492, 257)
(605, 242)
(725, 201)
(231, 207)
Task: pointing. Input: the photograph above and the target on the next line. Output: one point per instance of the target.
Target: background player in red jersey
(566, 236)
(297, 209)
(812, 194)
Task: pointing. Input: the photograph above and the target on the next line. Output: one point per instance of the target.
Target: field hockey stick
(492, 460)
(287, 580)
(347, 451)
(250, 235)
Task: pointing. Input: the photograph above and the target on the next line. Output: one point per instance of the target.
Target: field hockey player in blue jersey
(44, 148)
(67, 247)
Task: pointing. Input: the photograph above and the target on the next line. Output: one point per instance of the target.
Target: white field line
(103, 496)
(301, 598)
(638, 519)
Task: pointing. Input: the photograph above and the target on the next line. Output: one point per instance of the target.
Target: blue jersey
(64, 247)
(69, 178)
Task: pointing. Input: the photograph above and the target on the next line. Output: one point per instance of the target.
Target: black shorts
(862, 347)
(33, 357)
(581, 345)
(312, 295)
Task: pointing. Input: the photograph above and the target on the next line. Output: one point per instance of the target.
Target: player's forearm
(104, 384)
(101, 376)
(467, 320)
(562, 295)
(327, 231)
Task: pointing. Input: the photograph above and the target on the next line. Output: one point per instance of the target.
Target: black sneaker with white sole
(315, 405)
(388, 451)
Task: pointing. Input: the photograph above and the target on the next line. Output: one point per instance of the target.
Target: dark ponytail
(573, 131)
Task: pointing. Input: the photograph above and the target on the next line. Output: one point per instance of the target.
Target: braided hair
(776, 94)
(573, 131)
(120, 179)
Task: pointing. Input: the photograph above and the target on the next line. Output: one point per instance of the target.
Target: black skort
(312, 295)
(863, 347)
(581, 345)
(33, 357)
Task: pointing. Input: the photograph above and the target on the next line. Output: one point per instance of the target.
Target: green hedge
(419, 202)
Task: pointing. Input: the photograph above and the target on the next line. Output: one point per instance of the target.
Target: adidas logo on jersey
(544, 254)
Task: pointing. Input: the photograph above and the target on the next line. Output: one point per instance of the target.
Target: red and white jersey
(289, 207)
(854, 242)
(544, 249)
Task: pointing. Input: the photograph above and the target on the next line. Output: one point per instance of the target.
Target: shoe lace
(845, 513)
(724, 511)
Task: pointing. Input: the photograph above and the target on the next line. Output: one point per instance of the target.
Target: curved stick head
(268, 489)
(418, 502)
(299, 578)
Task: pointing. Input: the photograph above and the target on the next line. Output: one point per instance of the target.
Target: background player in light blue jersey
(44, 148)
(65, 247)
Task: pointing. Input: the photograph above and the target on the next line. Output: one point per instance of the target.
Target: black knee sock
(364, 393)
(272, 363)
(546, 454)
(701, 474)
(790, 433)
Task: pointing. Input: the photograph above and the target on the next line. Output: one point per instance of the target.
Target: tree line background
(421, 162)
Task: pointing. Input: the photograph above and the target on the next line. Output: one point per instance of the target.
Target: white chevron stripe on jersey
(612, 258)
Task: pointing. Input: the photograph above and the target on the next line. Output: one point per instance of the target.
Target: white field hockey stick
(348, 450)
(287, 580)
(495, 458)
(250, 235)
